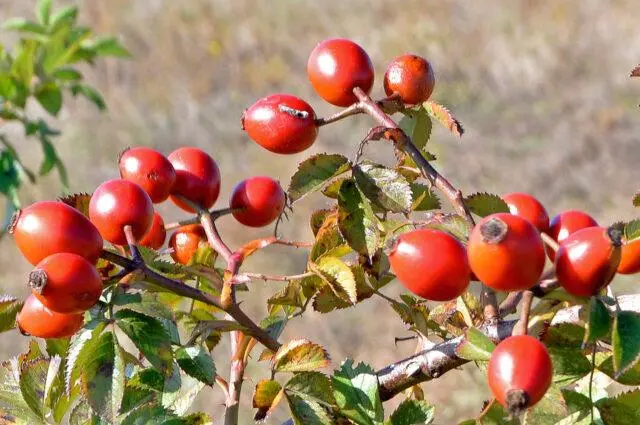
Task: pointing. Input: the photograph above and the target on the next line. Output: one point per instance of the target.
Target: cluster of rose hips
(64, 245)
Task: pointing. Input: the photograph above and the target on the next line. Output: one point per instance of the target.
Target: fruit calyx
(517, 402)
(38, 280)
(494, 231)
(14, 221)
(615, 235)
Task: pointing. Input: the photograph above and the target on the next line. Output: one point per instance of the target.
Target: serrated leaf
(103, 377)
(50, 98)
(339, 277)
(266, 397)
(476, 346)
(314, 385)
(448, 318)
(416, 124)
(9, 308)
(385, 187)
(356, 220)
(484, 204)
(444, 116)
(630, 377)
(569, 364)
(453, 224)
(151, 415)
(598, 323)
(470, 307)
(332, 189)
(494, 414)
(423, 198)
(575, 401)
(80, 349)
(329, 241)
(631, 230)
(12, 405)
(314, 172)
(305, 411)
(58, 346)
(33, 376)
(91, 94)
(300, 355)
(412, 412)
(626, 341)
(274, 325)
(326, 301)
(317, 219)
(197, 362)
(549, 410)
(291, 295)
(148, 304)
(79, 201)
(624, 409)
(356, 392)
(636, 71)
(180, 391)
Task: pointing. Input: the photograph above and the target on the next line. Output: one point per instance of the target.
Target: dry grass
(542, 89)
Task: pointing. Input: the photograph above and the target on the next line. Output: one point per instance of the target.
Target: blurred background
(542, 89)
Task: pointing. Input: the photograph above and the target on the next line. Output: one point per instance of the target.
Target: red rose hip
(411, 77)
(197, 178)
(630, 258)
(526, 206)
(156, 235)
(66, 283)
(431, 264)
(119, 203)
(185, 241)
(281, 123)
(49, 227)
(337, 66)
(150, 170)
(37, 320)
(520, 372)
(260, 200)
(566, 223)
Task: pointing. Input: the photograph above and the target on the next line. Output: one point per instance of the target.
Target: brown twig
(215, 214)
(133, 244)
(510, 303)
(523, 324)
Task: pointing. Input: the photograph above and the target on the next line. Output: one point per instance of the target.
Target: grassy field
(541, 88)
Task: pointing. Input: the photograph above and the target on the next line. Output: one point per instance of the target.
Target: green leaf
(106, 46)
(43, 11)
(453, 224)
(151, 415)
(484, 204)
(385, 187)
(636, 200)
(416, 124)
(82, 345)
(67, 74)
(90, 93)
(630, 377)
(64, 16)
(23, 25)
(148, 304)
(12, 405)
(317, 219)
(626, 341)
(356, 393)
(476, 346)
(356, 220)
(494, 414)
(103, 377)
(197, 362)
(339, 277)
(50, 98)
(305, 411)
(149, 336)
(412, 412)
(631, 230)
(333, 189)
(444, 116)
(569, 364)
(312, 385)
(23, 65)
(33, 375)
(9, 308)
(624, 409)
(314, 172)
(599, 322)
(423, 198)
(329, 241)
(291, 295)
(58, 346)
(266, 397)
(300, 355)
(180, 391)
(274, 325)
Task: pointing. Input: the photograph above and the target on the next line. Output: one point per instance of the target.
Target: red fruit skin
(566, 223)
(630, 258)
(273, 124)
(73, 284)
(156, 235)
(38, 321)
(48, 227)
(261, 199)
(150, 170)
(411, 77)
(117, 203)
(515, 263)
(197, 178)
(185, 242)
(529, 208)
(337, 66)
(431, 264)
(587, 261)
(520, 363)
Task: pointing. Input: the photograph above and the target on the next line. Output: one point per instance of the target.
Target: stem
(593, 370)
(133, 244)
(247, 277)
(215, 214)
(549, 241)
(214, 237)
(523, 324)
(510, 303)
(403, 142)
(354, 109)
(381, 295)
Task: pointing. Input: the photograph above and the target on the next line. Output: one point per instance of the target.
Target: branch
(215, 214)
(433, 363)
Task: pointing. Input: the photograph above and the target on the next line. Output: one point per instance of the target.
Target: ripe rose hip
(48, 227)
(630, 259)
(197, 178)
(529, 208)
(150, 170)
(337, 66)
(587, 260)
(118, 203)
(281, 123)
(185, 241)
(66, 283)
(506, 252)
(156, 235)
(261, 200)
(520, 372)
(411, 77)
(431, 264)
(566, 223)
(37, 320)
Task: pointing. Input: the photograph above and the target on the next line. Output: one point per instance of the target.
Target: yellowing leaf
(300, 355)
